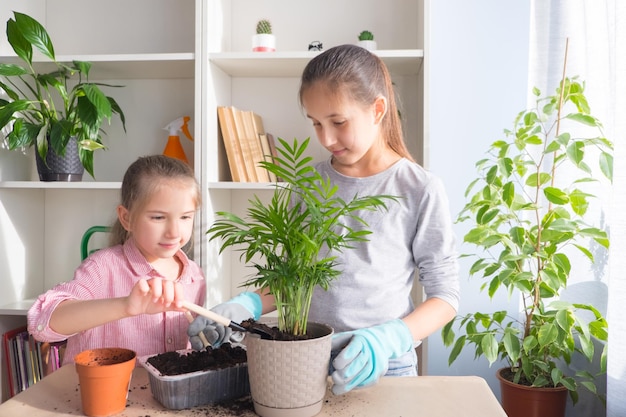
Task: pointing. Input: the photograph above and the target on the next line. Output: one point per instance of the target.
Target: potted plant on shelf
(59, 112)
(527, 218)
(288, 242)
(263, 40)
(366, 40)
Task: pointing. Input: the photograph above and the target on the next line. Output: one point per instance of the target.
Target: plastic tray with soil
(188, 378)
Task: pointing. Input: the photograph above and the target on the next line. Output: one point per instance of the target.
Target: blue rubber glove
(365, 354)
(242, 307)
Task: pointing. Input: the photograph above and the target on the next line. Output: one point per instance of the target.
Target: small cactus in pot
(263, 40)
(264, 26)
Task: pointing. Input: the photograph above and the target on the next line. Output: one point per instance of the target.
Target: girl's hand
(155, 295)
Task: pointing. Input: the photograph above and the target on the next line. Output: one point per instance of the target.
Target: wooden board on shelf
(234, 153)
(251, 135)
(265, 146)
(246, 147)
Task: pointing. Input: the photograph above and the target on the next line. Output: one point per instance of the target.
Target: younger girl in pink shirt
(129, 295)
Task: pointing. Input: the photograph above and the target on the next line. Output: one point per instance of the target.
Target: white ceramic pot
(289, 378)
(369, 45)
(263, 42)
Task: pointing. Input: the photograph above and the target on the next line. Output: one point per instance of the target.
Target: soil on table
(175, 363)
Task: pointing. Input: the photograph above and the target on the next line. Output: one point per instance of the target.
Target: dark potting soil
(510, 376)
(175, 363)
(225, 356)
(273, 331)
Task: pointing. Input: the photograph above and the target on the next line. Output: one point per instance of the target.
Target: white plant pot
(263, 42)
(289, 378)
(369, 45)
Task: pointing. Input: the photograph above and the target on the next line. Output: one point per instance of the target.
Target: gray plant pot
(61, 168)
(289, 378)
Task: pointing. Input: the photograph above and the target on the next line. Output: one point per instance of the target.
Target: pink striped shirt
(112, 272)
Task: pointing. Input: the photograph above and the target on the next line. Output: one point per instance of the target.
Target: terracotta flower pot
(524, 401)
(288, 378)
(104, 376)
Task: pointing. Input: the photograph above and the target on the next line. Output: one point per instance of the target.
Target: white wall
(478, 83)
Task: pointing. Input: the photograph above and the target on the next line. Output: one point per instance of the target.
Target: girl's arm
(267, 299)
(147, 297)
(428, 317)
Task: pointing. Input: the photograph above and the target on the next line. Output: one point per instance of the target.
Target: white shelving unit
(153, 56)
(183, 57)
(268, 84)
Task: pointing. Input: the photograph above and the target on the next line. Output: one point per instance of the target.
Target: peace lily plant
(293, 235)
(527, 218)
(48, 109)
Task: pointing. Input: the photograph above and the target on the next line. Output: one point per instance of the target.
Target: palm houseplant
(288, 242)
(61, 112)
(528, 214)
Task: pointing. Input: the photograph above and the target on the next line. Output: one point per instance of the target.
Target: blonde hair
(142, 179)
(363, 76)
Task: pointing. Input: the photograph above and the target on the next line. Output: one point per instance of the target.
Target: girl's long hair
(363, 76)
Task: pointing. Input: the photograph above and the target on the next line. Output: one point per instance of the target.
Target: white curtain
(596, 53)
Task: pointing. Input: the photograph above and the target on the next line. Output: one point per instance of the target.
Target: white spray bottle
(174, 148)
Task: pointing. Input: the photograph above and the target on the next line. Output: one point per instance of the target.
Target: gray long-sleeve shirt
(415, 233)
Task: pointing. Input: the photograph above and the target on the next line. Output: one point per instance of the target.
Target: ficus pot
(526, 401)
(289, 378)
(104, 376)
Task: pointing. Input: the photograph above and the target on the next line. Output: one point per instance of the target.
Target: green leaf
(20, 45)
(536, 180)
(7, 111)
(489, 346)
(456, 350)
(583, 118)
(11, 70)
(578, 202)
(576, 152)
(547, 334)
(447, 333)
(488, 216)
(606, 165)
(34, 33)
(555, 195)
(512, 346)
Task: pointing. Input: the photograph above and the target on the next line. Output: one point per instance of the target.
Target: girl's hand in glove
(365, 354)
(242, 307)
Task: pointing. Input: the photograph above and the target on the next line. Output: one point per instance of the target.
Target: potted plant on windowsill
(60, 113)
(527, 218)
(288, 242)
(263, 40)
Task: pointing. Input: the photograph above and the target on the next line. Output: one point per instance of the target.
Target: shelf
(228, 185)
(18, 308)
(124, 66)
(79, 185)
(291, 64)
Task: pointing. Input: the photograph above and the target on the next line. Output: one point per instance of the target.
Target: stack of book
(28, 360)
(246, 143)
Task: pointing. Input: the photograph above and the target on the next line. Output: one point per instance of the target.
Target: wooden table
(427, 396)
